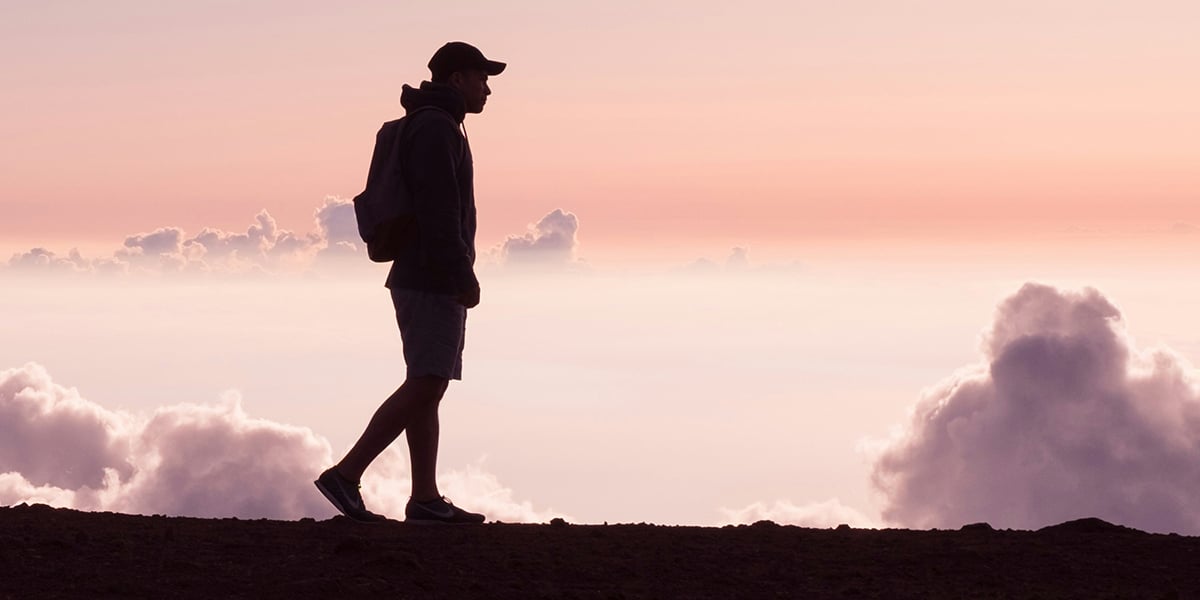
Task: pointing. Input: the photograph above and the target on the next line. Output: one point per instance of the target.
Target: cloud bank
(205, 461)
(263, 247)
(1064, 419)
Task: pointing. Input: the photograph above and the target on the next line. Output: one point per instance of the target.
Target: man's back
(437, 169)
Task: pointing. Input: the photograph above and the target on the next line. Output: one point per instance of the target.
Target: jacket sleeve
(434, 158)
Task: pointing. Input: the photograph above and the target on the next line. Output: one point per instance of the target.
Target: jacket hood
(434, 94)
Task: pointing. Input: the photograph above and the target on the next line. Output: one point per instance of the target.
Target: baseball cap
(459, 56)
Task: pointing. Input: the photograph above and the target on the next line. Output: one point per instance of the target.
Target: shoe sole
(436, 522)
(338, 505)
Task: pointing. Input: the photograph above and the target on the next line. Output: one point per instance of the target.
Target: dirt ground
(59, 553)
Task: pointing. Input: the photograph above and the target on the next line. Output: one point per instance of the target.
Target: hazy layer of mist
(731, 389)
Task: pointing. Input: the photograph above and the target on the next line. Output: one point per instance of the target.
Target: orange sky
(690, 124)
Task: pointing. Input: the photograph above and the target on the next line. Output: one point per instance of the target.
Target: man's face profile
(473, 84)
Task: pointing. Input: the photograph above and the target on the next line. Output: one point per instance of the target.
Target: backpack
(383, 210)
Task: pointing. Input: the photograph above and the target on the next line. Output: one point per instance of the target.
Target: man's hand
(469, 299)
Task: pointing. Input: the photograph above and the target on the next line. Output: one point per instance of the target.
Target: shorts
(433, 328)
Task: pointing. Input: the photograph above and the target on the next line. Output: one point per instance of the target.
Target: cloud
(161, 250)
(334, 247)
(1064, 419)
(165, 240)
(829, 513)
(737, 261)
(386, 487)
(263, 247)
(13, 485)
(739, 258)
(256, 242)
(207, 461)
(184, 460)
(54, 437)
(550, 241)
(215, 460)
(337, 223)
(41, 258)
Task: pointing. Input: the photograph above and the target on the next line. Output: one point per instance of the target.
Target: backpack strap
(462, 155)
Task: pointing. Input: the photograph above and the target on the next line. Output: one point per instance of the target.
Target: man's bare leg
(423, 431)
(412, 406)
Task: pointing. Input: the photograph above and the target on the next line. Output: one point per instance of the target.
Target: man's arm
(432, 172)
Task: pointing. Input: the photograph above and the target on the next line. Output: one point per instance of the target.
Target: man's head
(463, 67)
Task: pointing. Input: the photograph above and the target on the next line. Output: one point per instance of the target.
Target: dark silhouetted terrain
(58, 553)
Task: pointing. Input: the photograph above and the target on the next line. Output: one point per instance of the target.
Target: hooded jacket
(437, 170)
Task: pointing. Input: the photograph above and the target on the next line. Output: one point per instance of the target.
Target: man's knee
(430, 387)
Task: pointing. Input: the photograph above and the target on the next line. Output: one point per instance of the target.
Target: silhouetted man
(432, 284)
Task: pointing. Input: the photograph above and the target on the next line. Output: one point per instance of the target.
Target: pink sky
(896, 169)
(701, 125)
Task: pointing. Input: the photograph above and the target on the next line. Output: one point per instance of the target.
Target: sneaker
(440, 510)
(343, 494)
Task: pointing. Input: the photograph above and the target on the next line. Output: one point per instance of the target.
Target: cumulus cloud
(184, 460)
(337, 223)
(53, 437)
(550, 241)
(215, 460)
(165, 240)
(256, 242)
(13, 485)
(41, 258)
(58, 448)
(1065, 418)
(829, 513)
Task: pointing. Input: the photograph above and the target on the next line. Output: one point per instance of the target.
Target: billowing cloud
(550, 241)
(184, 460)
(337, 223)
(13, 485)
(256, 242)
(207, 461)
(215, 460)
(53, 437)
(165, 240)
(161, 250)
(829, 513)
(41, 258)
(1064, 419)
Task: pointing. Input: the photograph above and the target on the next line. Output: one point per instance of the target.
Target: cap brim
(492, 67)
